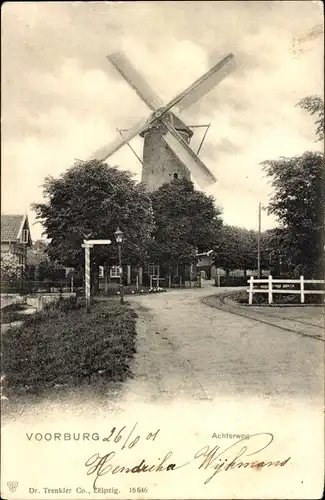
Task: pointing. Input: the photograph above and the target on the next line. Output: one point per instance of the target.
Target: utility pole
(259, 240)
(260, 208)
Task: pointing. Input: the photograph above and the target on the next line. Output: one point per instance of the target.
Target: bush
(70, 347)
(66, 304)
(233, 281)
(283, 299)
(10, 312)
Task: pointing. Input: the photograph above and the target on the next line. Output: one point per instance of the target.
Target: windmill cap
(177, 124)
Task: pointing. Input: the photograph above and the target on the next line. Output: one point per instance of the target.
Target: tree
(236, 248)
(298, 204)
(37, 252)
(10, 267)
(315, 106)
(89, 201)
(40, 267)
(277, 252)
(186, 221)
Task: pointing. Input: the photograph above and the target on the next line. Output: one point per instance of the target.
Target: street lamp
(119, 240)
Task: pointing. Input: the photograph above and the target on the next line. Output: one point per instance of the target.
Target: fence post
(250, 296)
(270, 290)
(302, 290)
(150, 281)
(40, 302)
(71, 284)
(106, 278)
(128, 271)
(137, 283)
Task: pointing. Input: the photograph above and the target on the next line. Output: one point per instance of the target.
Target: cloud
(62, 99)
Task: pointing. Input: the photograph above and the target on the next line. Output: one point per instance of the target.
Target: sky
(62, 99)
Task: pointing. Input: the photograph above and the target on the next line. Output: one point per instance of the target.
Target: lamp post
(119, 240)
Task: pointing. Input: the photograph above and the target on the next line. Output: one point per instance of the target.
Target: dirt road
(202, 376)
(190, 350)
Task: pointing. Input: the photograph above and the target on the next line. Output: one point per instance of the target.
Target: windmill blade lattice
(186, 155)
(137, 82)
(206, 83)
(172, 138)
(106, 151)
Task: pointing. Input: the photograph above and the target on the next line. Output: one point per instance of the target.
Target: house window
(24, 236)
(114, 272)
(153, 269)
(101, 272)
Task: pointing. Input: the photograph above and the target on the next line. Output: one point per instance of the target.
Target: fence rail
(271, 287)
(156, 281)
(28, 287)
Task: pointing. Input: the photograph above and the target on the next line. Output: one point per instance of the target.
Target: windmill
(166, 151)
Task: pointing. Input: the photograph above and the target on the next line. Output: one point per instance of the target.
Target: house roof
(11, 226)
(205, 254)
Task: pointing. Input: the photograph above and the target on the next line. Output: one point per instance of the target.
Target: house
(15, 236)
(204, 264)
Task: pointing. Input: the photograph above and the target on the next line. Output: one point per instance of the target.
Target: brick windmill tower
(157, 152)
(166, 151)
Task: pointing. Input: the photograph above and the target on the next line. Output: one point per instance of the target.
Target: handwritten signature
(213, 459)
(221, 460)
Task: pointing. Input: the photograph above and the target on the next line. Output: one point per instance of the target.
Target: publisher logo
(12, 485)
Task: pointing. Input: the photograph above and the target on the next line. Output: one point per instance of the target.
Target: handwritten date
(119, 435)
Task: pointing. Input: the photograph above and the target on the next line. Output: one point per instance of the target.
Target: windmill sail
(111, 148)
(186, 155)
(205, 84)
(172, 138)
(137, 82)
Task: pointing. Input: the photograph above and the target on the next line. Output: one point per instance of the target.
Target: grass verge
(64, 346)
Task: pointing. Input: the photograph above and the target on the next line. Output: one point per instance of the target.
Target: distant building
(205, 264)
(15, 236)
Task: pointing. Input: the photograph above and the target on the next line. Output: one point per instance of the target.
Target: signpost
(87, 245)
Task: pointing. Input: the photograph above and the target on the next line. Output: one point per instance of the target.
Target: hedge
(65, 345)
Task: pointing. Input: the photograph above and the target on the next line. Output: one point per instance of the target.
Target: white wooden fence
(272, 287)
(156, 282)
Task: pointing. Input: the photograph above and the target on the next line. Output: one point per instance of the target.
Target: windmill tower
(166, 151)
(156, 153)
